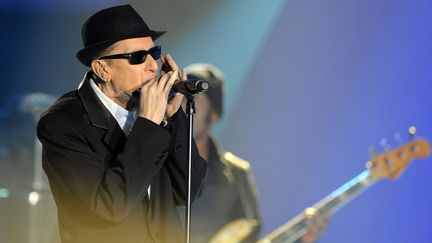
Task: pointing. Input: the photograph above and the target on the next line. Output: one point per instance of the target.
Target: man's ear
(101, 69)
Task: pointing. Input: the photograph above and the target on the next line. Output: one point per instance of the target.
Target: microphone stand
(190, 112)
(189, 88)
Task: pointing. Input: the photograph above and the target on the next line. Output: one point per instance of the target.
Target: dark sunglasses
(137, 57)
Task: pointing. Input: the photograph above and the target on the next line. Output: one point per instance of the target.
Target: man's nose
(151, 64)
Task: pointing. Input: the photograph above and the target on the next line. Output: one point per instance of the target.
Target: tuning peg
(397, 136)
(385, 144)
(369, 164)
(412, 131)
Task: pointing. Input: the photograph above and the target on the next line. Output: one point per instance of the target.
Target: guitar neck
(295, 228)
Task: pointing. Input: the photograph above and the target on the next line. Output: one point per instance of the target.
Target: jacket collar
(99, 114)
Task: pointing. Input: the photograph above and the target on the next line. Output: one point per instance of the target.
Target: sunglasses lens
(155, 52)
(137, 57)
(140, 56)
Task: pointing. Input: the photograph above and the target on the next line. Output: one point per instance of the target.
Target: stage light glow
(33, 198)
(4, 193)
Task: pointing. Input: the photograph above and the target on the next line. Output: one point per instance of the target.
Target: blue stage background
(310, 85)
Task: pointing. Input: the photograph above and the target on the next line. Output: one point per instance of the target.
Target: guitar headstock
(392, 163)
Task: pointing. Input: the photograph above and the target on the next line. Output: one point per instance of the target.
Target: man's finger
(183, 74)
(164, 79)
(164, 68)
(147, 85)
(171, 81)
(170, 62)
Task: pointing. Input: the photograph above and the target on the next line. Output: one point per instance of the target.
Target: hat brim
(86, 55)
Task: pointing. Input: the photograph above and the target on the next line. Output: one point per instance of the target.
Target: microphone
(189, 87)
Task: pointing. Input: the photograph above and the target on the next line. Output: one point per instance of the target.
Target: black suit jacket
(99, 177)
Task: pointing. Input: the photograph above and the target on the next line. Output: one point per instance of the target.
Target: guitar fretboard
(295, 228)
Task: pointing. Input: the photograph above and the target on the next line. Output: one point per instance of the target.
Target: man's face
(124, 77)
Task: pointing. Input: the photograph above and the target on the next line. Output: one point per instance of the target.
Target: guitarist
(227, 209)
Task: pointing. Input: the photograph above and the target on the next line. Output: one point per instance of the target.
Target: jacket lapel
(99, 115)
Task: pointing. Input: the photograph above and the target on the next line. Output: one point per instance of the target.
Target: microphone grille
(203, 85)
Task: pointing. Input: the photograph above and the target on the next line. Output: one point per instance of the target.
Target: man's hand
(317, 225)
(154, 97)
(175, 102)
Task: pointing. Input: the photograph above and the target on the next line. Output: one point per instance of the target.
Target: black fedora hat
(110, 25)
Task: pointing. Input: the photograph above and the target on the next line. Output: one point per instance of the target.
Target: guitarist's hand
(318, 224)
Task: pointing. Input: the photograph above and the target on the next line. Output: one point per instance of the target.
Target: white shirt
(124, 118)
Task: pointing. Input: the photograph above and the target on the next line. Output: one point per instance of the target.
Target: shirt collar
(123, 117)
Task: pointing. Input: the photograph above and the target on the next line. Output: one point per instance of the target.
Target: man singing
(115, 150)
